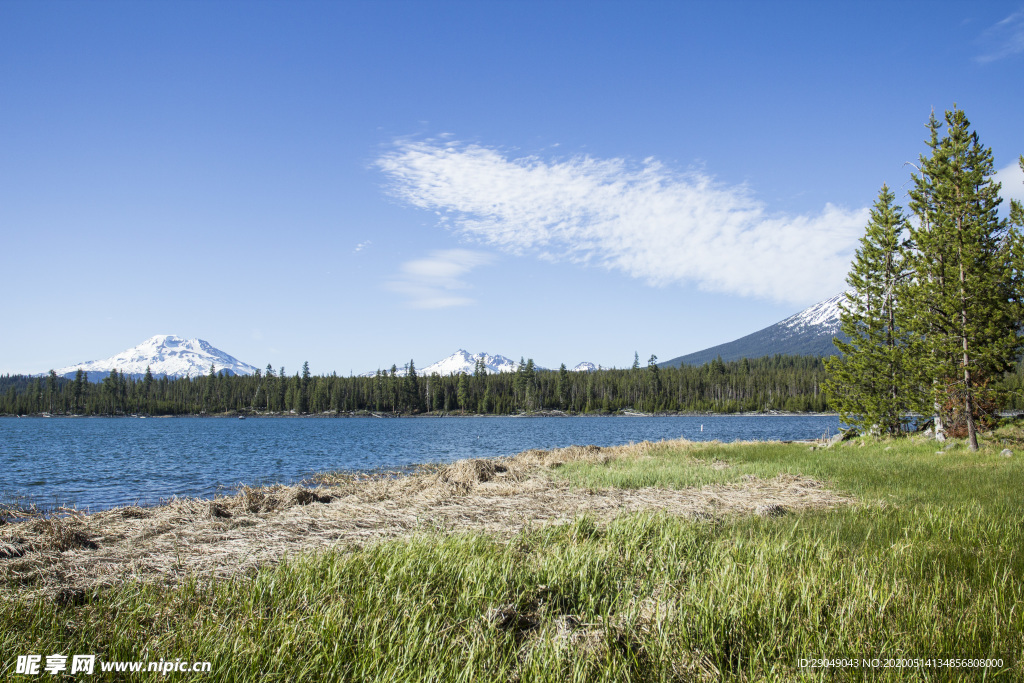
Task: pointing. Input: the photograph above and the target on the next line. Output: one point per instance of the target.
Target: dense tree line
(791, 383)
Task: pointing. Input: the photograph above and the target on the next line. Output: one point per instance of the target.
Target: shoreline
(24, 494)
(390, 416)
(258, 526)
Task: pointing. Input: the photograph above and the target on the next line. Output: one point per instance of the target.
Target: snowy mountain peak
(462, 361)
(585, 366)
(823, 316)
(164, 354)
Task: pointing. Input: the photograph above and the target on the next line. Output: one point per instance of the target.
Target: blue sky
(357, 184)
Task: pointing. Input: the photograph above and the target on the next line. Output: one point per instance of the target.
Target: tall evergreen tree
(963, 258)
(78, 390)
(529, 383)
(303, 389)
(147, 388)
(411, 388)
(211, 380)
(873, 383)
(51, 387)
(653, 369)
(462, 392)
(519, 382)
(563, 384)
(271, 388)
(282, 389)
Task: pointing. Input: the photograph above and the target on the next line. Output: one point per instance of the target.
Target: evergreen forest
(781, 383)
(784, 383)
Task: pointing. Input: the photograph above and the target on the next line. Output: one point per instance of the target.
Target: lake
(98, 463)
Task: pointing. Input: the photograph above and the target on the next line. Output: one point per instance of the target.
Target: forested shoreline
(782, 383)
(779, 383)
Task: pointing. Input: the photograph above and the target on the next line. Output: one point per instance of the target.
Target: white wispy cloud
(361, 246)
(1012, 179)
(1003, 39)
(437, 280)
(644, 219)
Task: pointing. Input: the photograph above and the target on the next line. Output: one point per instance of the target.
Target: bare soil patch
(233, 534)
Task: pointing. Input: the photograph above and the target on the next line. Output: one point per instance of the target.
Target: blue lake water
(98, 462)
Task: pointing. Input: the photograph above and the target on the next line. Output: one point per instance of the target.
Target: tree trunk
(972, 432)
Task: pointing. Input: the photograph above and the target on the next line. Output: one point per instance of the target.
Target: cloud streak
(1003, 39)
(644, 220)
(436, 281)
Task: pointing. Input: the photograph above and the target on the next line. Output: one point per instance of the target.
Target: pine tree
(529, 383)
(462, 392)
(563, 384)
(78, 391)
(282, 389)
(873, 383)
(519, 382)
(211, 380)
(271, 388)
(147, 387)
(963, 293)
(411, 388)
(303, 390)
(653, 369)
(51, 387)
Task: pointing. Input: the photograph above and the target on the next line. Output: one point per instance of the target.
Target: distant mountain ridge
(807, 333)
(166, 355)
(463, 361)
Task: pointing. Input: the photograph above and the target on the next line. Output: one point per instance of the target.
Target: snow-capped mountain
(822, 317)
(165, 355)
(461, 361)
(808, 333)
(585, 366)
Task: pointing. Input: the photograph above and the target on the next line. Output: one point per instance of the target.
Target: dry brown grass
(258, 526)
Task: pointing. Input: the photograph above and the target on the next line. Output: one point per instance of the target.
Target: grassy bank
(926, 563)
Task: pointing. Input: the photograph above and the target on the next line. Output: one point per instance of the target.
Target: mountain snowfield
(822, 317)
(164, 355)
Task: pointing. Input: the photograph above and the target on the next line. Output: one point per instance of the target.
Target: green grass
(929, 565)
